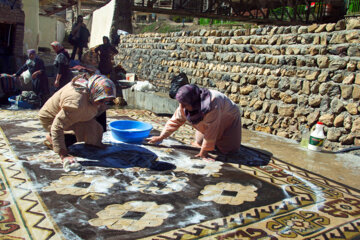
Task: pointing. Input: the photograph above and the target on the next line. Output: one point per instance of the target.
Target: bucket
(21, 104)
(130, 131)
(130, 77)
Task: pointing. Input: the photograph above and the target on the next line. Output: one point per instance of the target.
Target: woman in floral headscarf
(70, 115)
(61, 63)
(215, 117)
(39, 78)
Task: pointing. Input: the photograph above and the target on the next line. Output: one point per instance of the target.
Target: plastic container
(317, 137)
(130, 131)
(21, 104)
(305, 135)
(130, 77)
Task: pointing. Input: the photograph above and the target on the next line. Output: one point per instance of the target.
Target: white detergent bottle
(317, 137)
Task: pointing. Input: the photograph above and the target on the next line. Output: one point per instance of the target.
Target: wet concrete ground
(342, 167)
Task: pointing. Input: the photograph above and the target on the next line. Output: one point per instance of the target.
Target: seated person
(9, 86)
(36, 67)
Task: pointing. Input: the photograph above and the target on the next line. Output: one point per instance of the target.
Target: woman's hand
(70, 158)
(155, 139)
(57, 80)
(63, 153)
(57, 83)
(35, 74)
(205, 156)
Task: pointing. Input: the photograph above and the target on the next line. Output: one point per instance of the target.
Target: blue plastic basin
(21, 104)
(130, 131)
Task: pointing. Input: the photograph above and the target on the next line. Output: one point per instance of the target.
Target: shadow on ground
(119, 156)
(247, 156)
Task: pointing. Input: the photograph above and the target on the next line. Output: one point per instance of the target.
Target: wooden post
(79, 7)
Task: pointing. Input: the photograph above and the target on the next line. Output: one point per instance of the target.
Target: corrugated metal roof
(50, 7)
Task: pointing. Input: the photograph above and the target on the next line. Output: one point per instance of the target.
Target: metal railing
(275, 11)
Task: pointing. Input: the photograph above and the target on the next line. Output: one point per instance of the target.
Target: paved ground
(297, 194)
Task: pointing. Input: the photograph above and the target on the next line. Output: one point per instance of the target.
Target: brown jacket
(69, 110)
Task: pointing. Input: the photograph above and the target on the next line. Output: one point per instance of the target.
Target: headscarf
(99, 87)
(198, 98)
(30, 62)
(108, 40)
(58, 48)
(31, 51)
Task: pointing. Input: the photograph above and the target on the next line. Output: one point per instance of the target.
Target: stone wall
(282, 78)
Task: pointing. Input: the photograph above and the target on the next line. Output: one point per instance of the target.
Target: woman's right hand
(155, 139)
(63, 153)
(35, 74)
(70, 158)
(56, 83)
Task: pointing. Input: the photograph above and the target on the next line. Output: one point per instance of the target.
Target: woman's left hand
(205, 156)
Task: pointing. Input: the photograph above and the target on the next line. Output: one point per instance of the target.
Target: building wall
(282, 78)
(50, 30)
(31, 33)
(101, 23)
(47, 31)
(60, 31)
(14, 17)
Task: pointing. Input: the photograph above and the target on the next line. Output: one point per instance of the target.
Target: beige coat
(221, 127)
(69, 110)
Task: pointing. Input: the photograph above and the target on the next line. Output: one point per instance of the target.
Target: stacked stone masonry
(282, 78)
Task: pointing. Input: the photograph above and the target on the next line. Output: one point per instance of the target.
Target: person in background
(70, 115)
(114, 36)
(36, 67)
(9, 87)
(80, 37)
(105, 52)
(215, 117)
(61, 63)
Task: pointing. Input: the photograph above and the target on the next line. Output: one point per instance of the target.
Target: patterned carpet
(161, 192)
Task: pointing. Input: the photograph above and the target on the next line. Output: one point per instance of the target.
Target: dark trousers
(70, 139)
(41, 88)
(76, 47)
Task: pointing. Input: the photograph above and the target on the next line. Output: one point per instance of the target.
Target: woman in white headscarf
(62, 65)
(36, 67)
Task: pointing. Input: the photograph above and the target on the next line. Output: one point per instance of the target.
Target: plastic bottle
(317, 137)
(305, 135)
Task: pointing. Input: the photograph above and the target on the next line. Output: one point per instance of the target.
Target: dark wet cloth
(40, 84)
(61, 64)
(106, 50)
